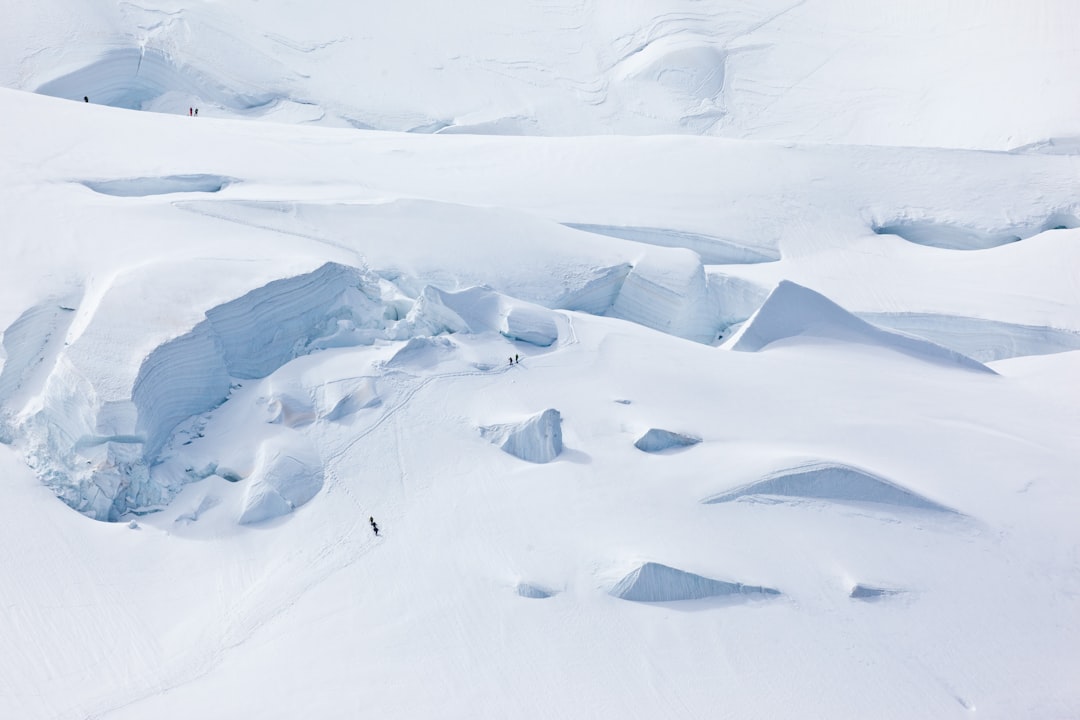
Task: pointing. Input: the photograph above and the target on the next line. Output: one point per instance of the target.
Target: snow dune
(658, 440)
(793, 312)
(654, 582)
(832, 481)
(241, 340)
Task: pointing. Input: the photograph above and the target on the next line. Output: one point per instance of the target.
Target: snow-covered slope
(623, 460)
(992, 74)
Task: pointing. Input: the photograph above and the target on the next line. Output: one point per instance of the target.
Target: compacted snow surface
(694, 359)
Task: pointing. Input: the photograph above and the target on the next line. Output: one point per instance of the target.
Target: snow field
(242, 340)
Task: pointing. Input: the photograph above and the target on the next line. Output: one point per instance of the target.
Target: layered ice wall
(668, 291)
(116, 393)
(144, 353)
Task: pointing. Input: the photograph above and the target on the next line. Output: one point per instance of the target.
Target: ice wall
(667, 290)
(116, 393)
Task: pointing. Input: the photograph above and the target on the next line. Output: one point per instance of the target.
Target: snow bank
(287, 474)
(793, 311)
(341, 398)
(832, 481)
(653, 582)
(657, 440)
(537, 439)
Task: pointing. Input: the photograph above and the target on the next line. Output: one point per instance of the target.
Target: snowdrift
(653, 582)
(657, 440)
(288, 473)
(794, 312)
(832, 481)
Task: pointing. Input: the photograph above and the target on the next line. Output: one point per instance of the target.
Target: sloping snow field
(694, 359)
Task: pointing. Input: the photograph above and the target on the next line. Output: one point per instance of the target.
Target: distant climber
(517, 359)
(511, 361)
(86, 98)
(189, 110)
(374, 526)
(196, 112)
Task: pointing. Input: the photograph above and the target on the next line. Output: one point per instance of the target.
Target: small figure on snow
(517, 359)
(374, 526)
(196, 112)
(189, 110)
(86, 98)
(511, 361)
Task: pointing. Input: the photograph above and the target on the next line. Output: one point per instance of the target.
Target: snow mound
(832, 481)
(421, 353)
(667, 291)
(960, 237)
(287, 474)
(870, 593)
(537, 439)
(144, 186)
(979, 339)
(680, 71)
(793, 311)
(528, 590)
(339, 399)
(657, 440)
(653, 582)
(712, 250)
(290, 409)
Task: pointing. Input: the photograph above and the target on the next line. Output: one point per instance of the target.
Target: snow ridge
(653, 582)
(793, 311)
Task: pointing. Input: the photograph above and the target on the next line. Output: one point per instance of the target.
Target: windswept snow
(792, 312)
(831, 481)
(287, 474)
(239, 344)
